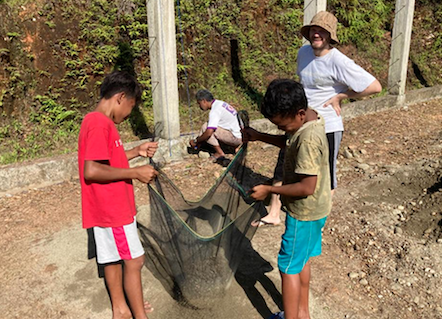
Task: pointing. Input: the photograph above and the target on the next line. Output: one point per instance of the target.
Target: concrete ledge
(422, 95)
(18, 177)
(370, 106)
(37, 174)
(383, 103)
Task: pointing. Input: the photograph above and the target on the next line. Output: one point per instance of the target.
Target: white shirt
(223, 115)
(326, 76)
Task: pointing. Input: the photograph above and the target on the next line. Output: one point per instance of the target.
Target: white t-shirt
(223, 115)
(326, 76)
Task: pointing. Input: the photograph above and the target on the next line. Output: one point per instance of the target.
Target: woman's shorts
(334, 141)
(279, 168)
(117, 243)
(301, 240)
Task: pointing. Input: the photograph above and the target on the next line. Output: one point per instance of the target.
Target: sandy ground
(381, 254)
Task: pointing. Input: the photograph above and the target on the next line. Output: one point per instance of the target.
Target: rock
(363, 166)
(398, 230)
(396, 287)
(268, 146)
(348, 154)
(203, 155)
(363, 152)
(363, 282)
(391, 169)
(352, 147)
(353, 275)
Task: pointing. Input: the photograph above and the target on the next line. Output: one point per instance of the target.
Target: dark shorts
(278, 173)
(334, 140)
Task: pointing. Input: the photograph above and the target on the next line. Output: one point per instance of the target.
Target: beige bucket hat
(325, 20)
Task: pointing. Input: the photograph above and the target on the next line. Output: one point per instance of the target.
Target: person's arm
(202, 138)
(305, 187)
(374, 88)
(101, 171)
(250, 134)
(147, 149)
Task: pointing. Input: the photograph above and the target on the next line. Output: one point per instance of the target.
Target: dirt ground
(382, 242)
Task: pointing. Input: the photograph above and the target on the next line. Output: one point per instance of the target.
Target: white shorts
(117, 243)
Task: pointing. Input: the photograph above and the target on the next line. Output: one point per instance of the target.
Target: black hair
(120, 81)
(284, 97)
(204, 95)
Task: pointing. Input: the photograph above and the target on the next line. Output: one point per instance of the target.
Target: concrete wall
(44, 172)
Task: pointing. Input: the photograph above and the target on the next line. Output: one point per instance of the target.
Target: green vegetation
(97, 36)
(233, 48)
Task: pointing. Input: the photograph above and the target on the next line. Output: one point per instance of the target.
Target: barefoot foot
(266, 222)
(148, 307)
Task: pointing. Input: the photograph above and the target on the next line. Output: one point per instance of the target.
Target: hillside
(54, 54)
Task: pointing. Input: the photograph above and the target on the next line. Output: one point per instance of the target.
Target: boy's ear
(120, 97)
(301, 112)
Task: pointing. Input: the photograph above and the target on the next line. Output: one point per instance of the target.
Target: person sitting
(222, 126)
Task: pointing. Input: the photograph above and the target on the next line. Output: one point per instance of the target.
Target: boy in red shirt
(108, 204)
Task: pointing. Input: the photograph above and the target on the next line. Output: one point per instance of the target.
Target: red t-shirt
(104, 204)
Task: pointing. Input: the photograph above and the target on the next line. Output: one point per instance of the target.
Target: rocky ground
(382, 242)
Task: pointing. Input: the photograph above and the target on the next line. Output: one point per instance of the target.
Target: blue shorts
(301, 240)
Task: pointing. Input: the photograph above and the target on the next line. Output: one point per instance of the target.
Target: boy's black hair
(204, 95)
(284, 97)
(120, 81)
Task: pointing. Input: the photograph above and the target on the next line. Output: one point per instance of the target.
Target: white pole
(163, 67)
(400, 47)
(311, 7)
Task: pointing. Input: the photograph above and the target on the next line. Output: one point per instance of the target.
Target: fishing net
(196, 247)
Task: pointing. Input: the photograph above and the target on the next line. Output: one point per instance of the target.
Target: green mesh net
(194, 248)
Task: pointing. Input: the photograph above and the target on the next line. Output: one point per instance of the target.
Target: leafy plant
(50, 24)
(49, 112)
(13, 35)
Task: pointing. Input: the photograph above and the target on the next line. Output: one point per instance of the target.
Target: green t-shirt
(307, 154)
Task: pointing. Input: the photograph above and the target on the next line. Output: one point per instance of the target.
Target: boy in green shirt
(305, 191)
